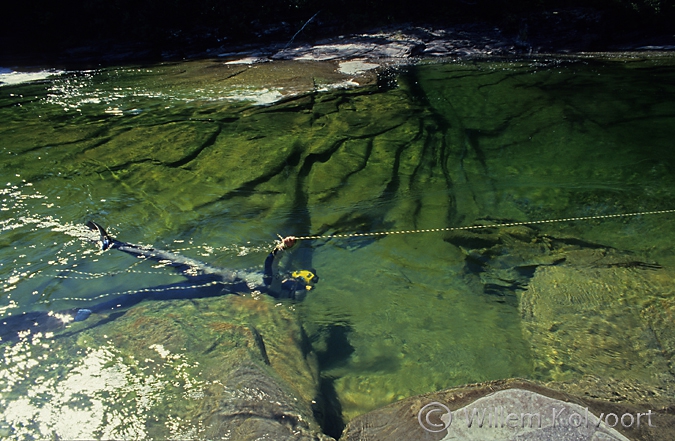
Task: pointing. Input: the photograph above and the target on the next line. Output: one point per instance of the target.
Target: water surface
(170, 155)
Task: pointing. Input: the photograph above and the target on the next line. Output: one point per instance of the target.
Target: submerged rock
(255, 404)
(588, 311)
(235, 367)
(263, 376)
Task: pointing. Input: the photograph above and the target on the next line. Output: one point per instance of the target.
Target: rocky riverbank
(549, 30)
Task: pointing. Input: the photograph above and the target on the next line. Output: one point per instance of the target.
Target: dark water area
(172, 156)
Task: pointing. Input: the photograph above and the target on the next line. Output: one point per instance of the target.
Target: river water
(166, 155)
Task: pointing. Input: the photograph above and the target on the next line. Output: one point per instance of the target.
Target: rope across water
(476, 227)
(71, 273)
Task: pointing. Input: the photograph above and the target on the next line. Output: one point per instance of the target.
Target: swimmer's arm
(271, 277)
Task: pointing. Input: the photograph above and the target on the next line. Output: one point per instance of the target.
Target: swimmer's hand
(285, 243)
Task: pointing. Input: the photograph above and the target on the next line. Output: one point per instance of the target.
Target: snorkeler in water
(202, 281)
(200, 273)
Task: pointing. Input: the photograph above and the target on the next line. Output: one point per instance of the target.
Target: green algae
(158, 156)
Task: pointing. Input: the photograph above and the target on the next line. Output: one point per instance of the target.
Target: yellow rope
(476, 227)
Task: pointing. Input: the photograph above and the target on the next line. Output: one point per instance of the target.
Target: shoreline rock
(404, 419)
(560, 30)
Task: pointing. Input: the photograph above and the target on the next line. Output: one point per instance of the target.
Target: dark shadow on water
(338, 349)
(328, 410)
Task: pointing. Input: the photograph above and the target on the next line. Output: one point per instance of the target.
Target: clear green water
(162, 156)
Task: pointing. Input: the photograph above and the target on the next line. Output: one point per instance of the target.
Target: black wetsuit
(202, 281)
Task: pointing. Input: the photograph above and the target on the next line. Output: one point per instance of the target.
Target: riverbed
(181, 157)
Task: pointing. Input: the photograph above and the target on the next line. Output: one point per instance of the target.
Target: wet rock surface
(238, 369)
(406, 43)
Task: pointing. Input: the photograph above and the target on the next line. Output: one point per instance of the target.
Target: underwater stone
(576, 320)
(234, 366)
(170, 144)
(576, 300)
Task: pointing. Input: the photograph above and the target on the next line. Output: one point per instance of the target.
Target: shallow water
(167, 155)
